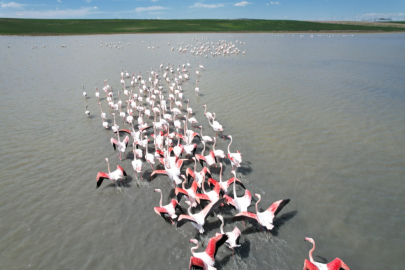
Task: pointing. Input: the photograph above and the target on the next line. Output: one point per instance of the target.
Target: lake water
(318, 120)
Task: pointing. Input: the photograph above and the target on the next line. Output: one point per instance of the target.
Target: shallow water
(318, 120)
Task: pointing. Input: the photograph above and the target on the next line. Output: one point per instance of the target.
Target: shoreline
(216, 32)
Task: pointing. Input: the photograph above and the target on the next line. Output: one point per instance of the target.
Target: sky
(321, 10)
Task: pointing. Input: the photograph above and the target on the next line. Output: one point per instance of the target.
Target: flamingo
(105, 123)
(197, 176)
(84, 93)
(216, 126)
(224, 185)
(206, 259)
(336, 264)
(212, 196)
(136, 163)
(197, 89)
(189, 110)
(218, 153)
(172, 168)
(233, 236)
(198, 220)
(205, 138)
(209, 159)
(114, 127)
(97, 94)
(266, 217)
(167, 211)
(150, 158)
(207, 114)
(122, 146)
(113, 176)
(236, 158)
(190, 193)
(87, 112)
(240, 203)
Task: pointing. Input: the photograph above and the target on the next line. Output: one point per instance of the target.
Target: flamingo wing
(246, 216)
(276, 207)
(211, 207)
(114, 143)
(336, 264)
(309, 266)
(189, 174)
(184, 218)
(122, 170)
(157, 172)
(231, 180)
(160, 211)
(196, 262)
(124, 130)
(100, 178)
(126, 140)
(214, 244)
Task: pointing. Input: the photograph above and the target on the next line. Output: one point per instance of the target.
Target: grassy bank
(124, 26)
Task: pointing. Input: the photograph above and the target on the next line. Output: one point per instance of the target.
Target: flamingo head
(220, 217)
(194, 241)
(99, 103)
(157, 190)
(258, 196)
(234, 173)
(310, 240)
(229, 136)
(106, 159)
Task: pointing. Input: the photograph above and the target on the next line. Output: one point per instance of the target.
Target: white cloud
(200, 5)
(95, 7)
(142, 9)
(88, 1)
(154, 0)
(53, 14)
(242, 4)
(11, 4)
(59, 1)
(275, 3)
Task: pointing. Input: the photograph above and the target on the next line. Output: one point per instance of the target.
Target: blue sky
(205, 9)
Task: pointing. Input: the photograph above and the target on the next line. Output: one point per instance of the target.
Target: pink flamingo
(236, 158)
(233, 236)
(266, 217)
(167, 211)
(198, 220)
(336, 264)
(224, 185)
(206, 259)
(197, 176)
(122, 146)
(113, 176)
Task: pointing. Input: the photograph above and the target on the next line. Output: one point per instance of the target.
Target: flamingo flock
(175, 147)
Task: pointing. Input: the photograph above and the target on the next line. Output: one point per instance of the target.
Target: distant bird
(236, 158)
(87, 112)
(336, 264)
(113, 176)
(84, 93)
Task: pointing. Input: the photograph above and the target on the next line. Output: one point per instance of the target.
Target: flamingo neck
(193, 248)
(257, 204)
(161, 196)
(203, 149)
(310, 253)
(229, 145)
(234, 188)
(205, 111)
(108, 164)
(222, 227)
(220, 174)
